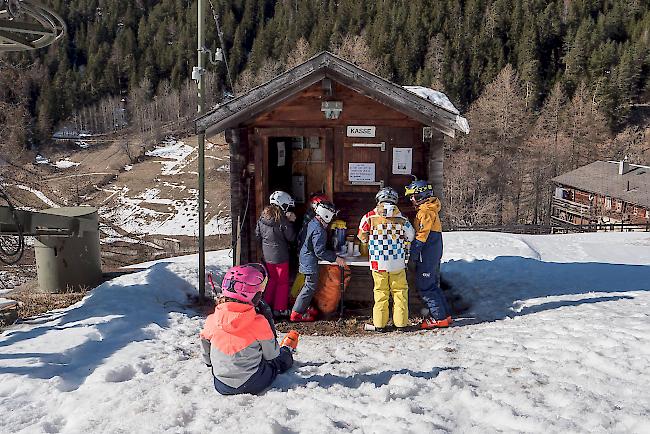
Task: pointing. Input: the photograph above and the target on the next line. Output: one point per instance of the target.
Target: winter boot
(431, 323)
(278, 314)
(301, 317)
(290, 340)
(312, 311)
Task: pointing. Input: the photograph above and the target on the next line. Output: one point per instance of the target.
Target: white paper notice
(282, 154)
(402, 161)
(361, 172)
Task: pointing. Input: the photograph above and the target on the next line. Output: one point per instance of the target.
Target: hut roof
(429, 107)
(601, 177)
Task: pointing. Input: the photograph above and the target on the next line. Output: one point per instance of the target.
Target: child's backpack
(328, 295)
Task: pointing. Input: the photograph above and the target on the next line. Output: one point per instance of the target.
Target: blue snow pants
(427, 278)
(263, 378)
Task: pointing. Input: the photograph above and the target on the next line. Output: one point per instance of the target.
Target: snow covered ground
(557, 340)
(147, 213)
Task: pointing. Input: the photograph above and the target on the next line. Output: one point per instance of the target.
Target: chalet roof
(601, 177)
(429, 108)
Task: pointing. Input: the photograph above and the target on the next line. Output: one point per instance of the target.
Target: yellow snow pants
(386, 284)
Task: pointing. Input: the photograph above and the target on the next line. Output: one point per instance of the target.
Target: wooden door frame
(262, 136)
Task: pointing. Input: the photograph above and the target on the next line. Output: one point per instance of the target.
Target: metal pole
(201, 144)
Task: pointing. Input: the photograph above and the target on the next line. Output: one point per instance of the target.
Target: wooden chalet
(602, 193)
(328, 125)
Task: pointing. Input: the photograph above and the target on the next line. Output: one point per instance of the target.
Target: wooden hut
(328, 125)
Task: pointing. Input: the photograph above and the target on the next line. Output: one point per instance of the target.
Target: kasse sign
(361, 131)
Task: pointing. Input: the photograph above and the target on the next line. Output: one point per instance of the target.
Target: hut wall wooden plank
(239, 156)
(436, 167)
(304, 110)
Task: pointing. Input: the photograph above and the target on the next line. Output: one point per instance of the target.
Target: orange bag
(328, 295)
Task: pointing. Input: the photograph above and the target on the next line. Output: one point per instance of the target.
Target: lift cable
(223, 46)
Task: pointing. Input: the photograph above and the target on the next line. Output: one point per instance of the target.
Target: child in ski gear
(314, 249)
(275, 231)
(426, 252)
(314, 200)
(238, 343)
(387, 232)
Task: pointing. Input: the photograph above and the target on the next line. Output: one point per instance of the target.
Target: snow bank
(39, 159)
(538, 351)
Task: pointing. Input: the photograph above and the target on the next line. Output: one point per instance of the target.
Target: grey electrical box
(298, 188)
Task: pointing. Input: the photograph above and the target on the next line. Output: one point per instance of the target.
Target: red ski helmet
(317, 198)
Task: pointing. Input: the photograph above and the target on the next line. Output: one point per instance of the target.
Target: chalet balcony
(575, 208)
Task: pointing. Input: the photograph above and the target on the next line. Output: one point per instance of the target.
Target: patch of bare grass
(35, 303)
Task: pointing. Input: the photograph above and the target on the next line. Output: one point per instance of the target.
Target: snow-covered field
(557, 340)
(169, 208)
(137, 216)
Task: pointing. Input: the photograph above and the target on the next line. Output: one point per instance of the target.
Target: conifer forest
(547, 85)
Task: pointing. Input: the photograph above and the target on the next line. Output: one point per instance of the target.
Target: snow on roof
(441, 100)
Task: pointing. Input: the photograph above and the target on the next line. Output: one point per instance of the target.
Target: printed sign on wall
(361, 172)
(402, 161)
(361, 131)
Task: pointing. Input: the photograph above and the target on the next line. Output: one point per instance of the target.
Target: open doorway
(300, 165)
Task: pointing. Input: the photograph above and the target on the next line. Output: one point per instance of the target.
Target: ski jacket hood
(432, 205)
(235, 317)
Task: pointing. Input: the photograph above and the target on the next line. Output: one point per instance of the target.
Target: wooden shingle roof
(326, 65)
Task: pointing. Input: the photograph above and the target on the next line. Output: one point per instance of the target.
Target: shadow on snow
(118, 316)
(510, 286)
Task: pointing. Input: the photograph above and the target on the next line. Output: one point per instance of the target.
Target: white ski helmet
(326, 211)
(387, 194)
(282, 199)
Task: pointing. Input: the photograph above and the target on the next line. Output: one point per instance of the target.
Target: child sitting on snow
(238, 343)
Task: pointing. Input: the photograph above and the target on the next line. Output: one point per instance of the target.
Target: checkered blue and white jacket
(388, 234)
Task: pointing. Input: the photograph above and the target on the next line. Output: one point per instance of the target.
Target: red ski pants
(276, 294)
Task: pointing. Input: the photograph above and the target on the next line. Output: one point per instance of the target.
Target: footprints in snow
(127, 372)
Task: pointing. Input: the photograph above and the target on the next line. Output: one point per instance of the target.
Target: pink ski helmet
(245, 283)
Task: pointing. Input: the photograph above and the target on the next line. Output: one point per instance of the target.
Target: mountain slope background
(572, 77)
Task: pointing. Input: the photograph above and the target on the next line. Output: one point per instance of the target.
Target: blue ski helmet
(419, 190)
